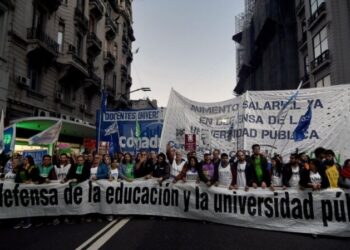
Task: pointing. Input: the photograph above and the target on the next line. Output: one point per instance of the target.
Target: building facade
(57, 55)
(281, 43)
(323, 41)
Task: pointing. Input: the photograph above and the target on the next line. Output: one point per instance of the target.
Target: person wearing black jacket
(27, 172)
(161, 169)
(144, 166)
(260, 173)
(78, 172)
(311, 178)
(241, 172)
(292, 172)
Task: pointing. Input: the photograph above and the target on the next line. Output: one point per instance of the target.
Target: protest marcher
(27, 172)
(62, 167)
(216, 157)
(241, 172)
(114, 171)
(170, 154)
(11, 174)
(47, 171)
(189, 171)
(207, 172)
(331, 172)
(224, 171)
(311, 178)
(177, 165)
(127, 168)
(89, 160)
(98, 170)
(15, 159)
(304, 160)
(161, 169)
(260, 173)
(291, 172)
(78, 172)
(144, 167)
(276, 173)
(344, 179)
(320, 154)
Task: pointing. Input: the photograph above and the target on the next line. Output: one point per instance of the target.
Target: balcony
(303, 41)
(51, 5)
(96, 8)
(81, 21)
(320, 61)
(41, 45)
(74, 67)
(109, 61)
(300, 9)
(131, 34)
(93, 82)
(316, 17)
(129, 82)
(94, 44)
(129, 57)
(111, 28)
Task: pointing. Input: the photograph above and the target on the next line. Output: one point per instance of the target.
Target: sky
(186, 45)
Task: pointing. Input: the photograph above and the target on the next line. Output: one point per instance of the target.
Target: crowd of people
(239, 172)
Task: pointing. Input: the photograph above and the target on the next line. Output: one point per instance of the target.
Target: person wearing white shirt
(241, 172)
(63, 167)
(224, 172)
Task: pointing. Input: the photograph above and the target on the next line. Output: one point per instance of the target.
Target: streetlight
(145, 89)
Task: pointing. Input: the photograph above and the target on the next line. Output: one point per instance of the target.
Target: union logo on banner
(190, 142)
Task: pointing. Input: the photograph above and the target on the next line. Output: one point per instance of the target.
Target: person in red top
(344, 179)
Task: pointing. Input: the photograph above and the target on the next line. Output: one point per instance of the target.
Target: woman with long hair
(127, 168)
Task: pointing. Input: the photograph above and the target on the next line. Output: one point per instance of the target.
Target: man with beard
(292, 172)
(329, 171)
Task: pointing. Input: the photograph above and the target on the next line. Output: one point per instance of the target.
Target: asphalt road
(158, 233)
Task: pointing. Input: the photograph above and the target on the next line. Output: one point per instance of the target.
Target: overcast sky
(186, 45)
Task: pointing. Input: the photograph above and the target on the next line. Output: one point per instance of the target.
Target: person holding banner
(260, 173)
(189, 171)
(292, 172)
(98, 170)
(331, 170)
(241, 172)
(10, 175)
(127, 168)
(224, 171)
(144, 167)
(47, 171)
(207, 172)
(27, 172)
(78, 172)
(311, 178)
(276, 173)
(177, 165)
(161, 169)
(216, 157)
(62, 168)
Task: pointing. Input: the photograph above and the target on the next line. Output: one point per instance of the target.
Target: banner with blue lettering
(268, 118)
(131, 130)
(36, 154)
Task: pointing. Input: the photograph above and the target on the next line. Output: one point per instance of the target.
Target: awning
(69, 128)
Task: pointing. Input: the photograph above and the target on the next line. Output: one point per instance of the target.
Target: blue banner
(131, 130)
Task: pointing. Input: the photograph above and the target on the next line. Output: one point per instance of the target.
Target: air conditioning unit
(83, 107)
(78, 120)
(64, 117)
(43, 113)
(58, 96)
(24, 81)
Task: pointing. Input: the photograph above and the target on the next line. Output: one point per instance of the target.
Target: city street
(158, 233)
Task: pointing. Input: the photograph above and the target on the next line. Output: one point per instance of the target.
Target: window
(38, 19)
(115, 50)
(79, 45)
(324, 82)
(315, 4)
(60, 37)
(66, 91)
(33, 75)
(320, 42)
(3, 15)
(92, 24)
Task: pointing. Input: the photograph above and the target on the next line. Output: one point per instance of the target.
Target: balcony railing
(318, 13)
(75, 56)
(94, 43)
(44, 40)
(111, 28)
(81, 20)
(96, 8)
(109, 60)
(320, 60)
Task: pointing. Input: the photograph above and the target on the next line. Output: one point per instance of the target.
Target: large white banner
(252, 118)
(324, 212)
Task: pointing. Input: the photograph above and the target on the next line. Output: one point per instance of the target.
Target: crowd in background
(242, 171)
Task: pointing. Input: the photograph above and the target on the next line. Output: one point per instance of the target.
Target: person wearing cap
(207, 171)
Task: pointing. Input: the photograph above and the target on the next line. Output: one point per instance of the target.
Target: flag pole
(99, 124)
